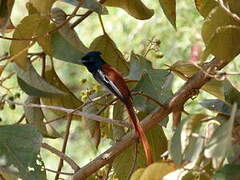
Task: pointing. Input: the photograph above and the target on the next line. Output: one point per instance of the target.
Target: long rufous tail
(140, 133)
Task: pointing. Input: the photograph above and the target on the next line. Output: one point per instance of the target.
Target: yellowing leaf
(137, 174)
(205, 6)
(224, 44)
(43, 6)
(65, 42)
(110, 53)
(157, 171)
(217, 18)
(45, 41)
(169, 9)
(133, 7)
(33, 79)
(28, 27)
(68, 100)
(185, 70)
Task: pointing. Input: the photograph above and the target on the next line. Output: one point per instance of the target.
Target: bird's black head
(93, 61)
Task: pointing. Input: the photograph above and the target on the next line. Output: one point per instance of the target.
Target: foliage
(205, 143)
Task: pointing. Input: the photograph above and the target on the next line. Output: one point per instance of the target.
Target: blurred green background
(129, 34)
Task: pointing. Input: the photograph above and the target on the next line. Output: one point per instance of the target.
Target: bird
(111, 79)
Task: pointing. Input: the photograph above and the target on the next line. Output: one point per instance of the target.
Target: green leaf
(19, 148)
(169, 9)
(118, 113)
(224, 43)
(43, 7)
(185, 147)
(6, 25)
(204, 7)
(195, 145)
(65, 42)
(155, 83)
(123, 163)
(229, 171)
(231, 93)
(175, 149)
(135, 8)
(110, 52)
(220, 144)
(216, 105)
(89, 4)
(35, 82)
(67, 100)
(35, 117)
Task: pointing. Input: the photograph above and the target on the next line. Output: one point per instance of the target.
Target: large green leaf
(135, 8)
(169, 9)
(35, 117)
(220, 144)
(65, 42)
(110, 52)
(19, 148)
(67, 100)
(89, 4)
(30, 81)
(155, 83)
(229, 171)
(123, 163)
(231, 93)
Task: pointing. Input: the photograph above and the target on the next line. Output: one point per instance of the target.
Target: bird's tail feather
(140, 133)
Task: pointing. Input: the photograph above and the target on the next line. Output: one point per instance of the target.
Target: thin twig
(21, 119)
(101, 22)
(47, 33)
(134, 162)
(3, 58)
(84, 16)
(66, 136)
(79, 113)
(78, 108)
(149, 97)
(63, 156)
(57, 172)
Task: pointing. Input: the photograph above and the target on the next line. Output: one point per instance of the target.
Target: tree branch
(178, 100)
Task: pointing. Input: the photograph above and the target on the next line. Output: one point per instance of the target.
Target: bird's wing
(102, 78)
